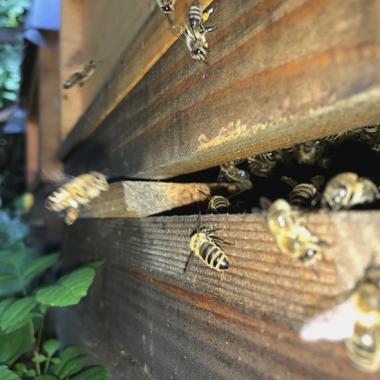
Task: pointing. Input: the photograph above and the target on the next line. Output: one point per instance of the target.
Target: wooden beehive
(280, 72)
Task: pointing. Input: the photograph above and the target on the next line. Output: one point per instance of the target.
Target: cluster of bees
(287, 222)
(357, 319)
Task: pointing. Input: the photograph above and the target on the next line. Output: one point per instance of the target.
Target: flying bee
(78, 192)
(208, 248)
(231, 173)
(293, 238)
(262, 164)
(304, 195)
(348, 189)
(166, 6)
(80, 77)
(356, 321)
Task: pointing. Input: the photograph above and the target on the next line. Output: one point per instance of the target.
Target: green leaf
(5, 277)
(17, 314)
(21, 368)
(67, 354)
(13, 345)
(5, 303)
(31, 373)
(51, 347)
(93, 373)
(39, 266)
(47, 377)
(39, 358)
(69, 289)
(96, 264)
(72, 367)
(7, 374)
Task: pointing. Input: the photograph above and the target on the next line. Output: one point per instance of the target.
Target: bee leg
(210, 29)
(187, 262)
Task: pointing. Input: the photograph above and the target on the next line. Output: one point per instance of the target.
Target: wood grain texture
(281, 72)
(129, 36)
(132, 199)
(48, 122)
(145, 315)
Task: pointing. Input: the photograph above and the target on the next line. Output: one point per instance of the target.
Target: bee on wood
(195, 33)
(304, 195)
(207, 246)
(348, 189)
(231, 173)
(356, 321)
(293, 238)
(78, 192)
(262, 164)
(197, 17)
(80, 77)
(166, 6)
(197, 45)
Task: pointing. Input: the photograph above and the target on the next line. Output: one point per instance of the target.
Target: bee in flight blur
(356, 321)
(207, 246)
(76, 193)
(80, 77)
(348, 189)
(293, 238)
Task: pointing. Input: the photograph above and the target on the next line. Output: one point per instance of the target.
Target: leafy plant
(24, 302)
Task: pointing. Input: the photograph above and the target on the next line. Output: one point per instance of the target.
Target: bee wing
(265, 203)
(333, 325)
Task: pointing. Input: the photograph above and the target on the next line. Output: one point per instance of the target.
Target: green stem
(46, 367)
(38, 345)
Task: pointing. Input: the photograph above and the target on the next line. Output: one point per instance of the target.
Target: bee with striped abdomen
(197, 17)
(262, 164)
(76, 193)
(356, 321)
(166, 6)
(293, 238)
(348, 189)
(208, 248)
(304, 195)
(195, 33)
(80, 77)
(217, 202)
(231, 173)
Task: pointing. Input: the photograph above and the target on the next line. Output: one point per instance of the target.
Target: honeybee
(231, 173)
(293, 238)
(348, 189)
(217, 202)
(195, 33)
(80, 77)
(311, 153)
(356, 321)
(207, 247)
(78, 192)
(197, 45)
(262, 164)
(197, 17)
(304, 195)
(166, 6)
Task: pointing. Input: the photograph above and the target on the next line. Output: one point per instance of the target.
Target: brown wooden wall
(280, 72)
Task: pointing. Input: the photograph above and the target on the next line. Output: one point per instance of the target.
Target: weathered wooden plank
(281, 72)
(48, 121)
(133, 199)
(148, 314)
(128, 38)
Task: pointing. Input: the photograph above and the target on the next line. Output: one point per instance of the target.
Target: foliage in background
(12, 13)
(24, 302)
